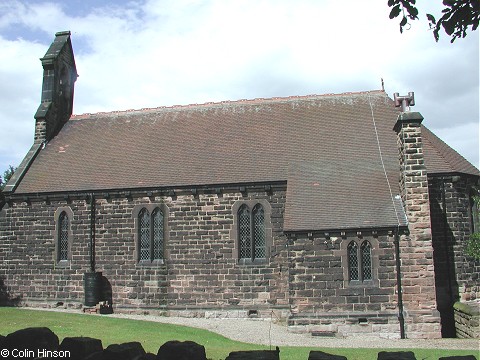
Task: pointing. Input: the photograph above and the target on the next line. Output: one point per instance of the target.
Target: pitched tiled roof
(441, 158)
(216, 143)
(329, 195)
(326, 139)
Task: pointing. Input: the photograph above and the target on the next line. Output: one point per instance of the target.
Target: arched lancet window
(258, 232)
(251, 232)
(359, 261)
(144, 234)
(157, 245)
(244, 232)
(366, 250)
(352, 251)
(63, 228)
(151, 234)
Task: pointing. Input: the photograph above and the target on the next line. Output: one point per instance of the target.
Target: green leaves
(458, 16)
(431, 19)
(402, 24)
(395, 11)
(6, 176)
(406, 7)
(473, 246)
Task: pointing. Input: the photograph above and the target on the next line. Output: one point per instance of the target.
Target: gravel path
(265, 332)
(259, 331)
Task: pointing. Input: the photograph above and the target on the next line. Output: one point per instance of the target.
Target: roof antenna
(404, 101)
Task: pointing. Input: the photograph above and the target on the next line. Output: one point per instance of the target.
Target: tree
(7, 174)
(457, 16)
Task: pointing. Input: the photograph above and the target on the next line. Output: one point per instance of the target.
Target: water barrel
(93, 288)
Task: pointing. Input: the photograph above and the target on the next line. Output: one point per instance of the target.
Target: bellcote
(59, 76)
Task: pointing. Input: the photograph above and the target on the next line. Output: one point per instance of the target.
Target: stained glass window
(366, 250)
(259, 231)
(63, 226)
(244, 232)
(352, 252)
(251, 232)
(157, 234)
(360, 261)
(144, 234)
(151, 235)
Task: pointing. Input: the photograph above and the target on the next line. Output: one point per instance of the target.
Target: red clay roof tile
(247, 141)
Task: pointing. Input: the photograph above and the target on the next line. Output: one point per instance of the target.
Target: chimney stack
(404, 101)
(416, 248)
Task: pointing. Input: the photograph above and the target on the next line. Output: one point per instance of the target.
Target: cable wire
(381, 159)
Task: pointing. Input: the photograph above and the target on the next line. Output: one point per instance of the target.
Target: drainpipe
(92, 233)
(401, 319)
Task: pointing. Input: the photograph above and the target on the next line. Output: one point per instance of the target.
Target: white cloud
(18, 76)
(151, 53)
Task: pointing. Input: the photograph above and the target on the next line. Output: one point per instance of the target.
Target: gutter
(170, 190)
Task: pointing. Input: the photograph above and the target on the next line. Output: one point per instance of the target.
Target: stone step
(324, 333)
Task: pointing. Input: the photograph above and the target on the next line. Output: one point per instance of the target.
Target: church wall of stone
(305, 277)
(456, 273)
(325, 301)
(200, 270)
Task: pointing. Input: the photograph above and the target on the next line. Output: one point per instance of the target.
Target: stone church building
(341, 213)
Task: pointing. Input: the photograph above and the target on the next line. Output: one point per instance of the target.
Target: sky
(150, 53)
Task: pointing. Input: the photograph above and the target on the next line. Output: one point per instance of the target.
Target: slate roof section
(323, 146)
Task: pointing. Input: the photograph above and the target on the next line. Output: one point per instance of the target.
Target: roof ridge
(232, 102)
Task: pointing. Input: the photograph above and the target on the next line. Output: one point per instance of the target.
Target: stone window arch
(258, 236)
(151, 233)
(360, 262)
(252, 231)
(244, 232)
(366, 260)
(353, 264)
(63, 236)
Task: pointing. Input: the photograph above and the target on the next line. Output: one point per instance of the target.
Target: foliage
(471, 310)
(153, 334)
(456, 17)
(473, 244)
(7, 174)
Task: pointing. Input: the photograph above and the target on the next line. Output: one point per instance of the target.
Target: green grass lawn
(152, 335)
